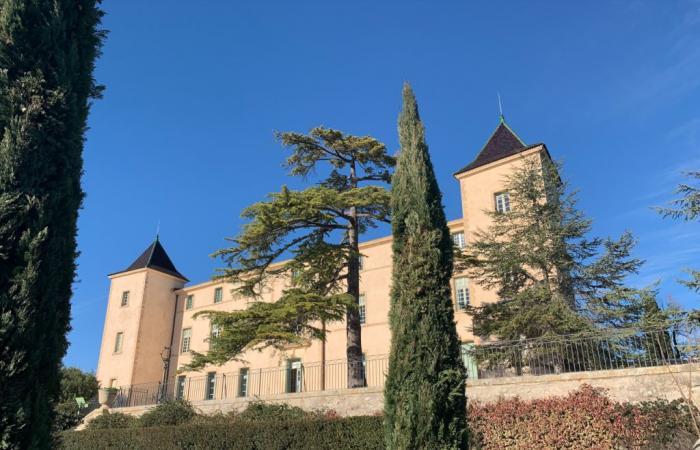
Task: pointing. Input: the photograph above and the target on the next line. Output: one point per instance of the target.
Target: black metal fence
(294, 379)
(606, 350)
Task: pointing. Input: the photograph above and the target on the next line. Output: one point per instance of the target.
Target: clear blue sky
(184, 134)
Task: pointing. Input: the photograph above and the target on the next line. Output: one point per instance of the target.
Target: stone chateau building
(150, 330)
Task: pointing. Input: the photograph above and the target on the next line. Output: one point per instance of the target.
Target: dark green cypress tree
(424, 394)
(47, 55)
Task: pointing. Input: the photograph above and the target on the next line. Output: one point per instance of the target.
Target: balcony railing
(606, 350)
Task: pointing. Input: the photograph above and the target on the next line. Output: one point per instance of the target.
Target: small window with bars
(186, 340)
(189, 302)
(125, 298)
(502, 202)
(362, 309)
(218, 295)
(462, 293)
(458, 239)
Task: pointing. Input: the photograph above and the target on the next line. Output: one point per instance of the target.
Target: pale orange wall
(477, 191)
(124, 319)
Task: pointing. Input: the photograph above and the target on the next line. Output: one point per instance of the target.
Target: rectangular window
(361, 262)
(125, 298)
(118, 342)
(180, 390)
(362, 309)
(189, 302)
(294, 375)
(243, 382)
(211, 386)
(113, 382)
(186, 340)
(458, 239)
(502, 202)
(214, 332)
(218, 295)
(469, 360)
(462, 293)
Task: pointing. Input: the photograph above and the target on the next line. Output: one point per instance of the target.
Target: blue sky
(184, 134)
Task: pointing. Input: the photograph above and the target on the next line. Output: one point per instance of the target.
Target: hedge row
(351, 433)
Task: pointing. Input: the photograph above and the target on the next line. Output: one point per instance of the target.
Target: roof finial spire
(501, 117)
(158, 231)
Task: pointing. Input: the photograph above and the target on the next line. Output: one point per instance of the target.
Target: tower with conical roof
(482, 187)
(139, 319)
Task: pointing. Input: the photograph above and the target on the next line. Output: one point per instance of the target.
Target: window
(125, 298)
(243, 382)
(118, 342)
(189, 302)
(211, 386)
(215, 332)
(218, 295)
(186, 339)
(458, 239)
(361, 262)
(502, 202)
(113, 382)
(462, 292)
(469, 361)
(294, 375)
(362, 309)
(180, 390)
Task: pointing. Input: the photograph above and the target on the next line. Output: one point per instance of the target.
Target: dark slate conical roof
(155, 257)
(502, 143)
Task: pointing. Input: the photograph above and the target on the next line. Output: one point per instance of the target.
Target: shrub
(585, 418)
(175, 412)
(274, 411)
(67, 415)
(351, 433)
(108, 420)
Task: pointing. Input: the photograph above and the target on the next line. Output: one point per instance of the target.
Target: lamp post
(165, 357)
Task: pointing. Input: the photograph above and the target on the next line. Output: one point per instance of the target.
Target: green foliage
(551, 278)
(67, 415)
(319, 227)
(76, 383)
(261, 411)
(47, 55)
(424, 391)
(351, 433)
(112, 420)
(175, 412)
(585, 418)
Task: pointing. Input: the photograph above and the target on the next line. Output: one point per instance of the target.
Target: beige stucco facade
(158, 312)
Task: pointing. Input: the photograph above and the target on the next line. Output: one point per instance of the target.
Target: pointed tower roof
(155, 257)
(502, 143)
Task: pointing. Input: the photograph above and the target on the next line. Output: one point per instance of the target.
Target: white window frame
(294, 373)
(125, 299)
(119, 342)
(362, 308)
(210, 388)
(243, 382)
(218, 295)
(180, 387)
(502, 200)
(189, 301)
(361, 262)
(186, 340)
(458, 239)
(461, 293)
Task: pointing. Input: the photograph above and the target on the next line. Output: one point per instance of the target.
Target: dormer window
(502, 202)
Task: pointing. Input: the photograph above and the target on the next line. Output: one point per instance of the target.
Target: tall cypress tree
(47, 54)
(424, 393)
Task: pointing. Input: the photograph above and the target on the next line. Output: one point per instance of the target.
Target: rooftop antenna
(500, 108)
(158, 230)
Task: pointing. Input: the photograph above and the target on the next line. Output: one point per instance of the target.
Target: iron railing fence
(307, 377)
(608, 350)
(605, 350)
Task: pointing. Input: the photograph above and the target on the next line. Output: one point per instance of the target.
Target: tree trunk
(356, 375)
